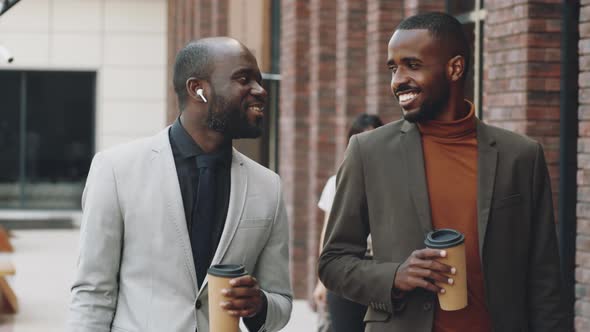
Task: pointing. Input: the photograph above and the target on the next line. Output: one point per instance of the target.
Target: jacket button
(198, 304)
(427, 306)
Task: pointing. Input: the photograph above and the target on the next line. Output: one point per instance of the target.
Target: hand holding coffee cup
(422, 269)
(244, 298)
(452, 242)
(232, 294)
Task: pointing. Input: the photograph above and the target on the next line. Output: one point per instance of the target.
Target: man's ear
(456, 68)
(192, 87)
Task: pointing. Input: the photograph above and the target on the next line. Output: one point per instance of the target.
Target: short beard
(246, 130)
(428, 111)
(231, 122)
(430, 108)
(217, 120)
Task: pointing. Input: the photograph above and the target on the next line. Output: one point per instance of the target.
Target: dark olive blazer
(381, 190)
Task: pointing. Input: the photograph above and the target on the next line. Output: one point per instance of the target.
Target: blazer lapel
(173, 199)
(412, 147)
(486, 175)
(237, 201)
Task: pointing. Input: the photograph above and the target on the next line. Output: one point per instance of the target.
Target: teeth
(256, 108)
(407, 96)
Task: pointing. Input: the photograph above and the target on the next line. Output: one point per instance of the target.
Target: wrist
(397, 294)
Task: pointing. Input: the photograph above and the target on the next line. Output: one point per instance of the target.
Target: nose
(398, 78)
(258, 90)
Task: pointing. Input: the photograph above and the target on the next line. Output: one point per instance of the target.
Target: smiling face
(237, 96)
(418, 74)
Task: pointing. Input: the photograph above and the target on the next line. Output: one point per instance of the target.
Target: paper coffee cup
(219, 277)
(455, 296)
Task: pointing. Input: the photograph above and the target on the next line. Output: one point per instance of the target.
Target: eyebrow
(411, 59)
(247, 71)
(404, 60)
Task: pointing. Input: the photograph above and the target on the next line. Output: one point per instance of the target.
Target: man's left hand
(244, 298)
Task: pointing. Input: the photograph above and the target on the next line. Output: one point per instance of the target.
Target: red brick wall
(413, 7)
(188, 20)
(351, 32)
(582, 320)
(322, 74)
(382, 18)
(521, 72)
(219, 9)
(294, 132)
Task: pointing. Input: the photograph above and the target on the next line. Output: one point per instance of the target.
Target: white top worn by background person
(325, 204)
(327, 196)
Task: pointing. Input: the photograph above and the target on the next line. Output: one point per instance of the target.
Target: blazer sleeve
(547, 312)
(94, 291)
(342, 268)
(272, 270)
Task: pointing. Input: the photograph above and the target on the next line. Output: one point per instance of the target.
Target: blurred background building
(91, 74)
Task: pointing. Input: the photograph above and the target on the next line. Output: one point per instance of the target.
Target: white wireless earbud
(200, 94)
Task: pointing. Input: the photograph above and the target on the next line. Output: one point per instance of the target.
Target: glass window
(56, 115)
(9, 138)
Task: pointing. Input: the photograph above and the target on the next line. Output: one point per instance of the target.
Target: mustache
(257, 100)
(404, 88)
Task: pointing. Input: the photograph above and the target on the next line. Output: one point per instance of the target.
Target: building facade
(91, 74)
(86, 75)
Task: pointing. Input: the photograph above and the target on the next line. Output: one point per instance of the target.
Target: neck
(455, 109)
(195, 125)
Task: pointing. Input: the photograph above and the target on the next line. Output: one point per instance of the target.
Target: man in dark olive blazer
(383, 189)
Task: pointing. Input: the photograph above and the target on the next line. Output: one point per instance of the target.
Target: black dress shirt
(185, 151)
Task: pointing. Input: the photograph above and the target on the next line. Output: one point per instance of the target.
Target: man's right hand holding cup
(422, 269)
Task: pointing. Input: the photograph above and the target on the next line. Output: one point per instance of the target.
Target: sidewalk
(45, 262)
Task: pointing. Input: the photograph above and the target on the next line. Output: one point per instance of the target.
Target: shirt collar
(188, 148)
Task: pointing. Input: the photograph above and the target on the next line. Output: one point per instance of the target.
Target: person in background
(342, 315)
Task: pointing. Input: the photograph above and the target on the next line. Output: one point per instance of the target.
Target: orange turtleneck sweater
(450, 160)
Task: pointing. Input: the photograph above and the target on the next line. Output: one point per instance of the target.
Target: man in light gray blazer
(142, 264)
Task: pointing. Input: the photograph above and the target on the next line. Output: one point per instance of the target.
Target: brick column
(521, 72)
(219, 10)
(294, 139)
(203, 13)
(383, 16)
(322, 138)
(351, 44)
(413, 7)
(179, 32)
(582, 320)
(188, 20)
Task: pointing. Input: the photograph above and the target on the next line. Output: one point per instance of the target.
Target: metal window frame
(274, 79)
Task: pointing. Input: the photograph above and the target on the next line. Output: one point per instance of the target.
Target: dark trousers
(346, 316)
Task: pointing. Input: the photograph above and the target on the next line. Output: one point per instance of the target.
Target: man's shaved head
(196, 60)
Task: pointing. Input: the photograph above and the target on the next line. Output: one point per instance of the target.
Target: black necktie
(203, 214)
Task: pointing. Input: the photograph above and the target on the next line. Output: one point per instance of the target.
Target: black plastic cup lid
(444, 238)
(227, 270)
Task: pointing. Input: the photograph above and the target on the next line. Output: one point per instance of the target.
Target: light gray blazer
(136, 270)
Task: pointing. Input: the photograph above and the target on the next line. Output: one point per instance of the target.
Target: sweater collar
(451, 129)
